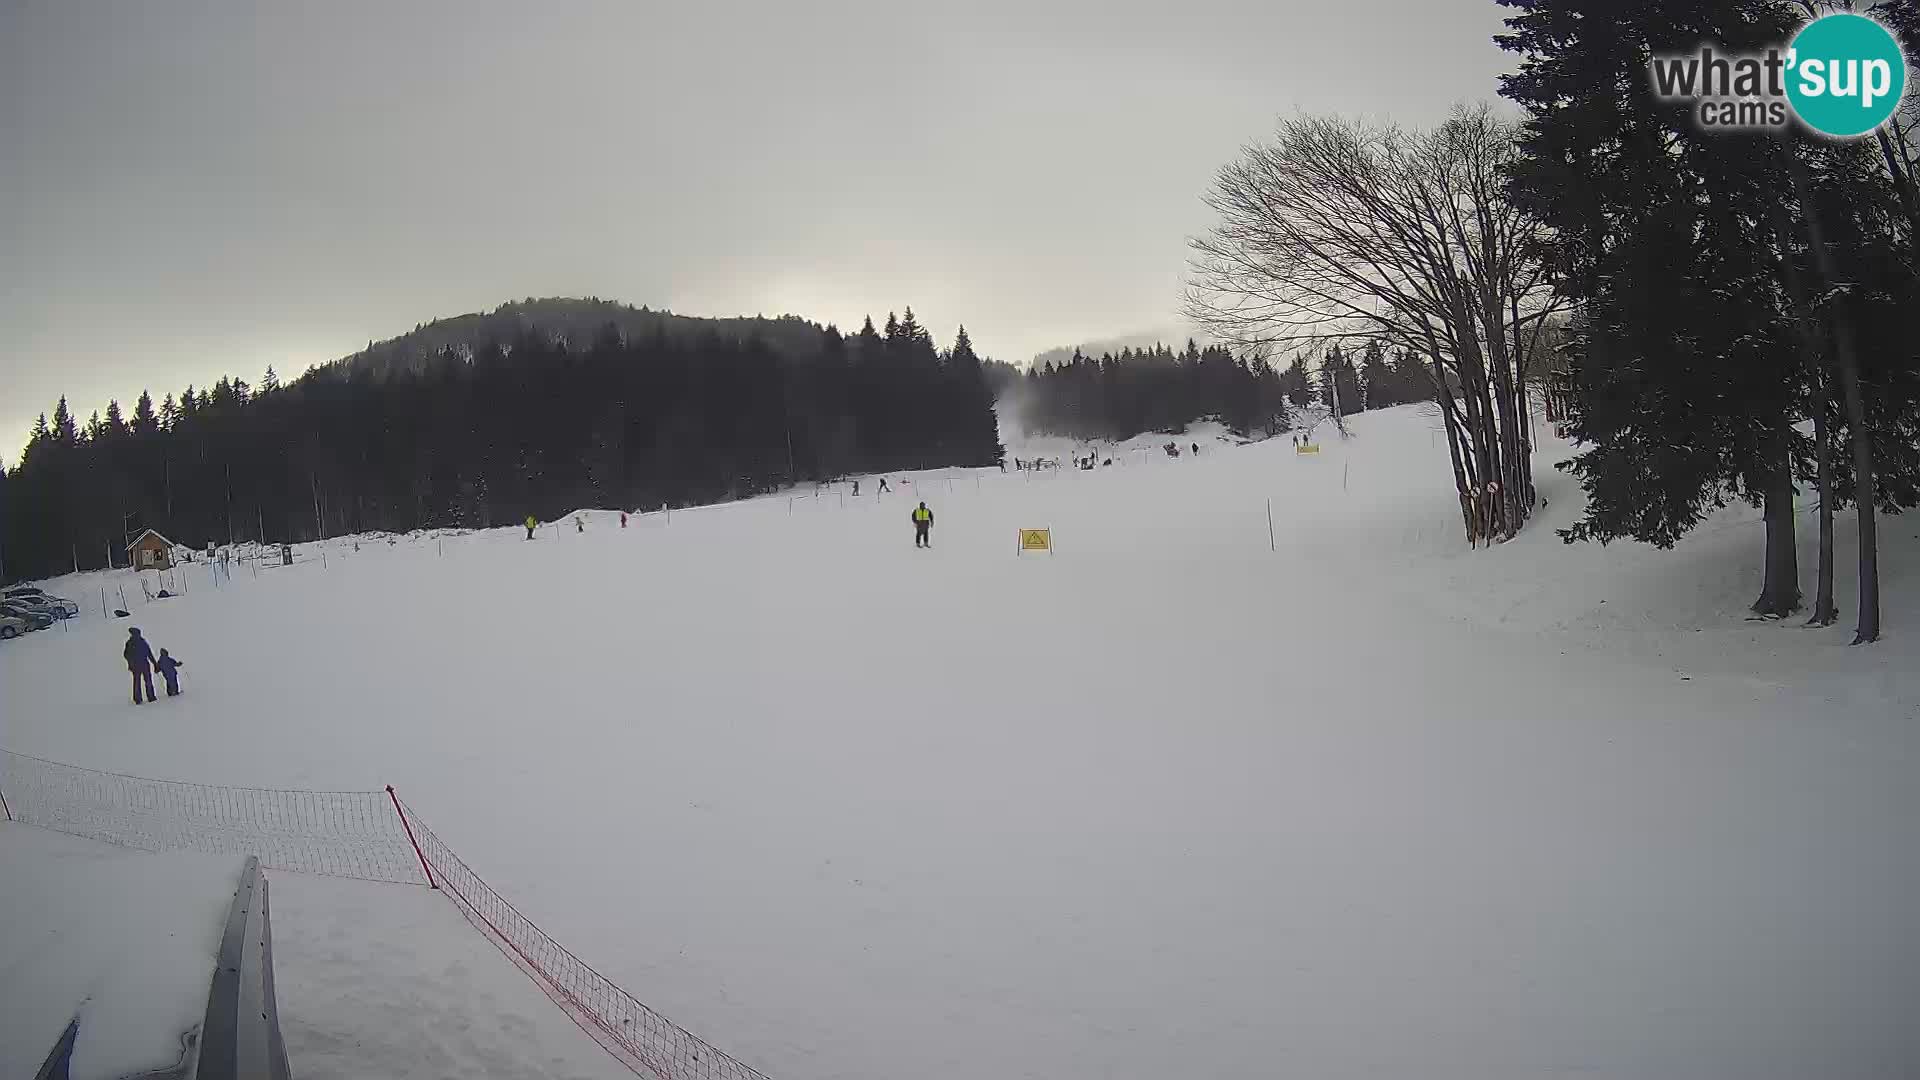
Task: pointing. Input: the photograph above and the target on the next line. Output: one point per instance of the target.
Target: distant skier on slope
(922, 526)
(531, 525)
(883, 486)
(139, 657)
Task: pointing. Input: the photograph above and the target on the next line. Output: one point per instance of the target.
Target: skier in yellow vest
(922, 525)
(531, 525)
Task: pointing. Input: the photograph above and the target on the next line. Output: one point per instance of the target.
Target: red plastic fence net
(353, 834)
(640, 1038)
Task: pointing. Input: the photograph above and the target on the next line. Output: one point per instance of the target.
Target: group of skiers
(142, 664)
(579, 523)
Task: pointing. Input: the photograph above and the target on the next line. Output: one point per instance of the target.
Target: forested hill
(483, 419)
(575, 320)
(1146, 341)
(1119, 395)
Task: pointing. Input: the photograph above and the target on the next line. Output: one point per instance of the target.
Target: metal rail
(240, 1038)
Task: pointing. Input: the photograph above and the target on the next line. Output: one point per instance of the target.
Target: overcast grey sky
(191, 188)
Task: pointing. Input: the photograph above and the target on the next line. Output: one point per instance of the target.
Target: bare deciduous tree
(1342, 230)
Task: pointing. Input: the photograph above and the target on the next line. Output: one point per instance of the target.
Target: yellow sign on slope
(1036, 540)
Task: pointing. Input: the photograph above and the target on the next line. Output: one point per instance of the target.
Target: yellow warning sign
(1307, 448)
(1036, 540)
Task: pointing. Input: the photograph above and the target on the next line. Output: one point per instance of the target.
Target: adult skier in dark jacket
(140, 662)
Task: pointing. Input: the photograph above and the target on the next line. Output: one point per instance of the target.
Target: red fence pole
(416, 844)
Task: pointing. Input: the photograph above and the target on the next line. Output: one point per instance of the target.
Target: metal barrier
(240, 1037)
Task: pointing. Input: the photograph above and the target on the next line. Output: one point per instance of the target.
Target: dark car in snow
(37, 616)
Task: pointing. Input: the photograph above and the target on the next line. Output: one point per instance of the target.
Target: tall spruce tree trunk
(1847, 360)
(1868, 628)
(1824, 611)
(1807, 348)
(1780, 592)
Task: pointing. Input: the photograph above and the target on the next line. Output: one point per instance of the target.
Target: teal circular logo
(1845, 75)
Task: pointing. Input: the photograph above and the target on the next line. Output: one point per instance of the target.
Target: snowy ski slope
(1177, 800)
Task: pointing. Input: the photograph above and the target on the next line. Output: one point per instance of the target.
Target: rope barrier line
(368, 835)
(173, 783)
(643, 1040)
(350, 834)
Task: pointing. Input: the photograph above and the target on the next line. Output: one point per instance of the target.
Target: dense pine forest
(1743, 306)
(1123, 394)
(442, 428)
(1157, 389)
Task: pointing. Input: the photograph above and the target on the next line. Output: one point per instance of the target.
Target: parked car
(13, 626)
(36, 617)
(34, 594)
(63, 608)
(58, 606)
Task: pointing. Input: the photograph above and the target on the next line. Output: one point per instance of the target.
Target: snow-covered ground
(125, 942)
(390, 981)
(1168, 802)
(373, 979)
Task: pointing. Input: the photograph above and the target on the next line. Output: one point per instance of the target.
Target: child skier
(169, 669)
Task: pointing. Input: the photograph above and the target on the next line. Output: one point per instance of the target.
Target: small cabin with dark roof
(150, 551)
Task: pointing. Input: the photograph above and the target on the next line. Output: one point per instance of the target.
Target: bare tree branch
(1338, 230)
